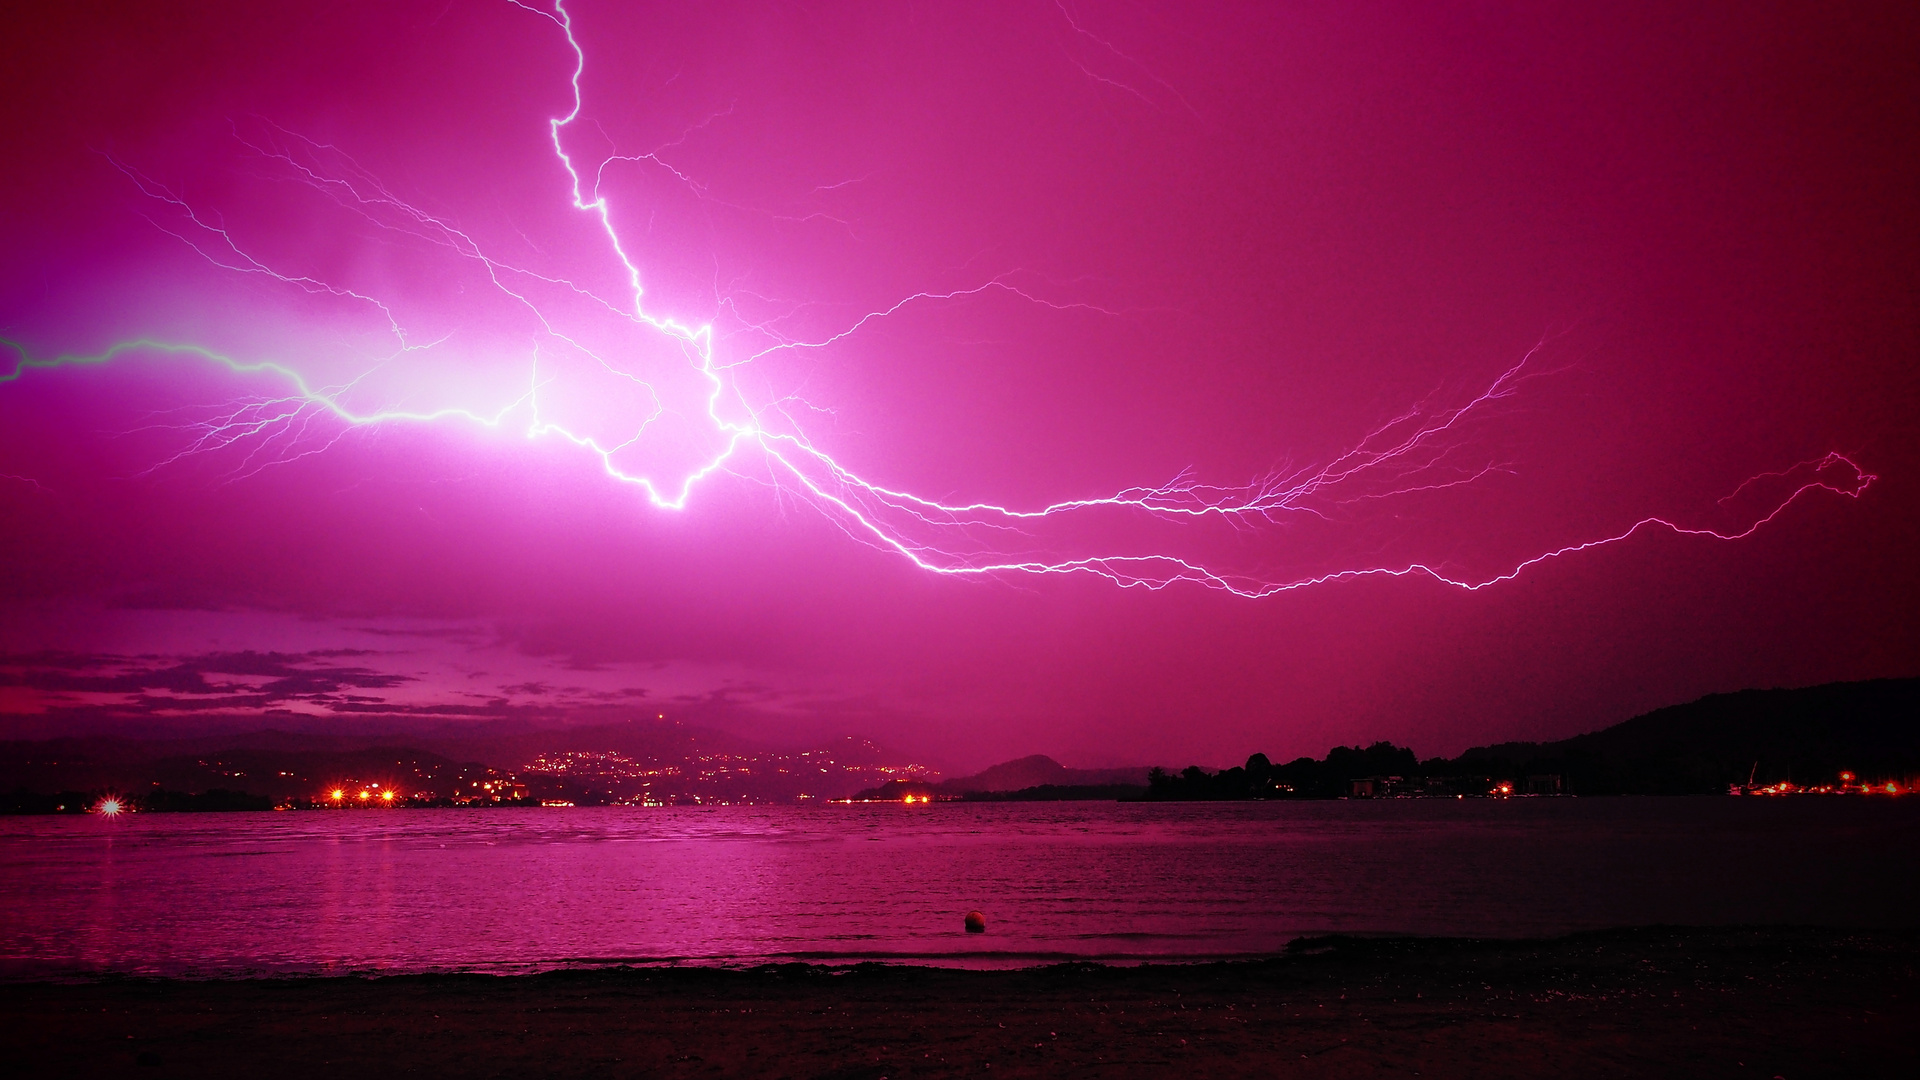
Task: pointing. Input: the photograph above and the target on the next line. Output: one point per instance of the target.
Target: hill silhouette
(1805, 735)
(1808, 735)
(1039, 770)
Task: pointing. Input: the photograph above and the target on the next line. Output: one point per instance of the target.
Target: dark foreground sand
(1693, 1003)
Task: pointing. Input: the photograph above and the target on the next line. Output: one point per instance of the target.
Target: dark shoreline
(1763, 1002)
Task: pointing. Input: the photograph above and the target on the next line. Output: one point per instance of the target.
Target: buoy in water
(976, 923)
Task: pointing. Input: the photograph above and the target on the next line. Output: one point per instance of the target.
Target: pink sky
(387, 467)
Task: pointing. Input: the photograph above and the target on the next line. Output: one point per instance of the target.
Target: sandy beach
(1656, 1002)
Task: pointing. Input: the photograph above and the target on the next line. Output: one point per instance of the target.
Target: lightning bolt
(1421, 450)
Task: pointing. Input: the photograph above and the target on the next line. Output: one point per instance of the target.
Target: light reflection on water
(410, 890)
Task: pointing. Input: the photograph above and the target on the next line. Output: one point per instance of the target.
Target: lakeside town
(1843, 739)
(571, 778)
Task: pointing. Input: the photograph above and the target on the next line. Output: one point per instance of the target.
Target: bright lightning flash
(645, 395)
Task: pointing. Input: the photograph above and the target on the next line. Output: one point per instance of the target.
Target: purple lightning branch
(646, 395)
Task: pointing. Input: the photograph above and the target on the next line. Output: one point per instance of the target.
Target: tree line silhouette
(1302, 778)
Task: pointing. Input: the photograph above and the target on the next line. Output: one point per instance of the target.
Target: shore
(1653, 1002)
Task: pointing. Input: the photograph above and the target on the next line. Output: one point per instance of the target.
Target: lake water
(512, 890)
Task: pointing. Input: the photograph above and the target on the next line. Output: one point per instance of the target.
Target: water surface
(507, 890)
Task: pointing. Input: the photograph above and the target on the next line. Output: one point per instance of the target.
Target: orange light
(387, 795)
(338, 795)
(365, 795)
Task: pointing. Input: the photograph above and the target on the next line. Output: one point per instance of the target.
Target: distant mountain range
(641, 761)
(1806, 735)
(269, 764)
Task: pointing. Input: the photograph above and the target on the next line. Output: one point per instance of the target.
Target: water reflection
(432, 889)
